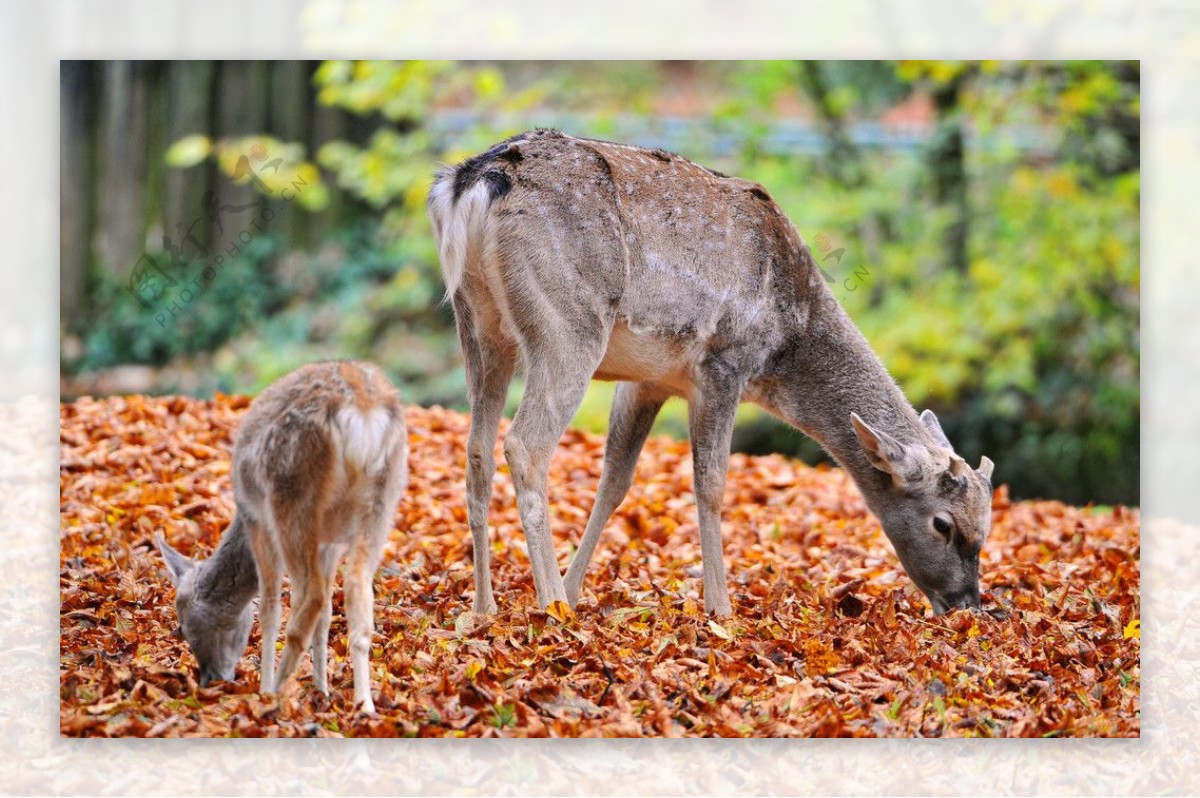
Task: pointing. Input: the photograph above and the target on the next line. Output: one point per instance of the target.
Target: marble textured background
(1165, 35)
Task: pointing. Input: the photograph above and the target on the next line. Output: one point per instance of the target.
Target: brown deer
(320, 461)
(588, 259)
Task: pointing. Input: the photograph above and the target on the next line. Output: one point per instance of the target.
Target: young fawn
(319, 463)
(587, 259)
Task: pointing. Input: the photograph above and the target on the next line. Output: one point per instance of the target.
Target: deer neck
(230, 576)
(826, 371)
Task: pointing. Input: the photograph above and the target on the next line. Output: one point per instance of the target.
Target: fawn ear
(884, 452)
(177, 564)
(935, 429)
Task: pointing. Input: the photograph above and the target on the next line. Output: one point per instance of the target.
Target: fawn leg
(270, 585)
(310, 597)
(329, 557)
(360, 605)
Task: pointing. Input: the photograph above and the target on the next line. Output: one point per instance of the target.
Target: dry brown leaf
(828, 636)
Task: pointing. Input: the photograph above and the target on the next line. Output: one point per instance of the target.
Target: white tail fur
(367, 436)
(456, 224)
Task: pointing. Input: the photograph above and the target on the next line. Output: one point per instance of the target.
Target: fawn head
(216, 631)
(936, 512)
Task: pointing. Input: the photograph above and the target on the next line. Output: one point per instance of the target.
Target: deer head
(217, 634)
(936, 510)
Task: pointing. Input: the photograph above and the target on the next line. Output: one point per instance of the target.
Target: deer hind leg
(710, 427)
(634, 409)
(270, 585)
(329, 557)
(359, 591)
(489, 370)
(555, 384)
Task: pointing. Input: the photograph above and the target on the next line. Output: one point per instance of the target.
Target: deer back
(679, 259)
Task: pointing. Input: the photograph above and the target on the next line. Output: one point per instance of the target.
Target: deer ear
(177, 564)
(883, 451)
(985, 468)
(935, 429)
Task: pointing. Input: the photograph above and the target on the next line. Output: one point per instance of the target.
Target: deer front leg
(270, 585)
(710, 426)
(634, 409)
(310, 597)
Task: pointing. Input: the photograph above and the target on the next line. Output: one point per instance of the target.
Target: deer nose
(963, 599)
(210, 675)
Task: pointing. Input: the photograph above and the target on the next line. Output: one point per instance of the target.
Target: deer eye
(943, 525)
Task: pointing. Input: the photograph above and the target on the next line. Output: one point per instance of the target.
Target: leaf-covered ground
(828, 637)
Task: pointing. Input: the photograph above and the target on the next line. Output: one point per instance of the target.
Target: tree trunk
(844, 163)
(76, 173)
(241, 111)
(290, 93)
(121, 228)
(329, 123)
(189, 111)
(947, 165)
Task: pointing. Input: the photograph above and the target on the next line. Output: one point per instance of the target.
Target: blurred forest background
(225, 222)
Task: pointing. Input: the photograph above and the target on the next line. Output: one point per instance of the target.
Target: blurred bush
(986, 239)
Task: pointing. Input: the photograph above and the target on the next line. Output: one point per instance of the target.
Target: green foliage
(1032, 355)
(1028, 354)
(123, 331)
(503, 715)
(355, 297)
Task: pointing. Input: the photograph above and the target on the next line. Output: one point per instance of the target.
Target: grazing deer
(320, 461)
(588, 259)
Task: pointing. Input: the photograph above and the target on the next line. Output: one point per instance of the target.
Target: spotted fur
(609, 261)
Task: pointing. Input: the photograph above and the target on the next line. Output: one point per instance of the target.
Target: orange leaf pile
(828, 636)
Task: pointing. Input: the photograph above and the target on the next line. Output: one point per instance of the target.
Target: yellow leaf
(974, 631)
(719, 630)
(1133, 629)
(819, 658)
(188, 151)
(560, 611)
(473, 669)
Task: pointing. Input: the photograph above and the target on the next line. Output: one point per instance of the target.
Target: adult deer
(588, 259)
(320, 461)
